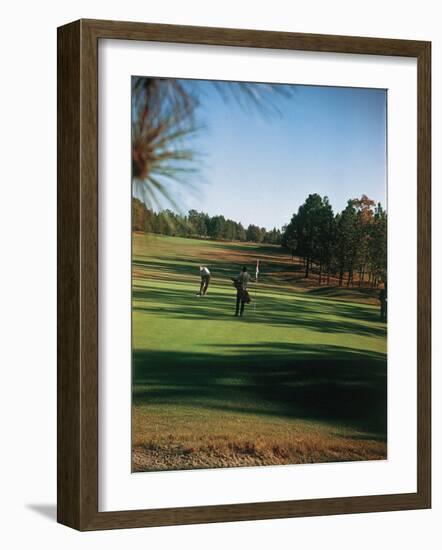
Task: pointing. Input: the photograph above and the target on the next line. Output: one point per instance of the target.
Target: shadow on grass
(344, 291)
(218, 269)
(330, 384)
(285, 310)
(184, 263)
(225, 259)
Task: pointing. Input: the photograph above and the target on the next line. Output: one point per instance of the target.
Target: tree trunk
(341, 276)
(320, 273)
(307, 268)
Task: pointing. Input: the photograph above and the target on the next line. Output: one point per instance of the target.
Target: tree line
(199, 225)
(350, 246)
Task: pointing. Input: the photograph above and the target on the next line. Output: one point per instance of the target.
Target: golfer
(242, 296)
(205, 280)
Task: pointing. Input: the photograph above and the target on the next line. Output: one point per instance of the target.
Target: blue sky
(259, 169)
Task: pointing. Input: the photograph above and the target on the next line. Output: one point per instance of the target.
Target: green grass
(301, 378)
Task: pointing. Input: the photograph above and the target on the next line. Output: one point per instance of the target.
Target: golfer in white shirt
(205, 280)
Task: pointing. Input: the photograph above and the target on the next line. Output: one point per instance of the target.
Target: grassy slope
(300, 379)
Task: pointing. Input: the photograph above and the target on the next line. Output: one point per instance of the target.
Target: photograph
(259, 274)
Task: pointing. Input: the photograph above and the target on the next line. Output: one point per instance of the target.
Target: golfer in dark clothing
(242, 296)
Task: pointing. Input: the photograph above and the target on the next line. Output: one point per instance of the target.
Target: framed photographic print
(243, 275)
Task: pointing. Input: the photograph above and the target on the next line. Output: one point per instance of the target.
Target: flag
(257, 269)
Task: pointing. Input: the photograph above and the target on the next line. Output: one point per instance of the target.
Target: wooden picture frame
(78, 274)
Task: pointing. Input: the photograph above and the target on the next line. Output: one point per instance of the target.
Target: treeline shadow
(331, 384)
(320, 316)
(221, 271)
(273, 260)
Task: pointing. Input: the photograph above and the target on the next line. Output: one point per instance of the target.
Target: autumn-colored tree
(365, 214)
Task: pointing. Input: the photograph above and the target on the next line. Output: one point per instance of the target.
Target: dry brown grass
(241, 451)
